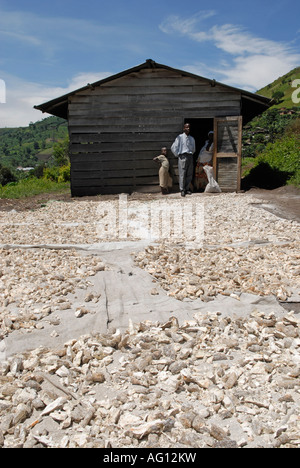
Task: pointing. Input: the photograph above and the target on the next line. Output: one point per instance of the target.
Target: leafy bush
(266, 128)
(277, 96)
(61, 153)
(51, 173)
(284, 155)
(294, 127)
(278, 164)
(6, 176)
(58, 174)
(38, 171)
(64, 174)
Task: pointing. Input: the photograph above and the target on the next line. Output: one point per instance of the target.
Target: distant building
(285, 111)
(25, 169)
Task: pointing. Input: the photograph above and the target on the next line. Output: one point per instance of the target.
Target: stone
(152, 427)
(96, 377)
(215, 379)
(21, 414)
(54, 406)
(217, 432)
(150, 394)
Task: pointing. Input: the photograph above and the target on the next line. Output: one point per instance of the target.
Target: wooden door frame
(237, 155)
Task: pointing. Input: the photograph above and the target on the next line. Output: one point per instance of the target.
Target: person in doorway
(207, 152)
(205, 158)
(184, 148)
(165, 180)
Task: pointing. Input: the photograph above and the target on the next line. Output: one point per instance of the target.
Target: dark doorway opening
(199, 130)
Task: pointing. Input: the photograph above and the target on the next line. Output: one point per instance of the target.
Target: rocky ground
(213, 379)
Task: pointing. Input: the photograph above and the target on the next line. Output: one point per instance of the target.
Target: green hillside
(281, 89)
(271, 141)
(272, 124)
(32, 145)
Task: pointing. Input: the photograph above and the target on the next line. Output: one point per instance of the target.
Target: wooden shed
(117, 125)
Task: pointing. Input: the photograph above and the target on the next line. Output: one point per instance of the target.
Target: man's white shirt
(183, 144)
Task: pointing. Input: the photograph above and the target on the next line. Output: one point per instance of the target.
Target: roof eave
(62, 101)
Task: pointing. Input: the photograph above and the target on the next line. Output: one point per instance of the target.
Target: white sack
(212, 186)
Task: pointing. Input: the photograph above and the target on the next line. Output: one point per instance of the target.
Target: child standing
(165, 180)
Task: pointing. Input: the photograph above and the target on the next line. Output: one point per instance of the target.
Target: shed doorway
(199, 130)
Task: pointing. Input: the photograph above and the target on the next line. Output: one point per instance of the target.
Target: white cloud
(21, 96)
(250, 73)
(21, 37)
(236, 41)
(177, 24)
(82, 79)
(250, 61)
(256, 71)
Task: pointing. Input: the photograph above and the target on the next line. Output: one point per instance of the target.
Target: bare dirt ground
(284, 201)
(35, 202)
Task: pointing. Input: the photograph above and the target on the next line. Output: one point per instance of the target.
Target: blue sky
(48, 48)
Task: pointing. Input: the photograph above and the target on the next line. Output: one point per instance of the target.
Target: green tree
(6, 176)
(277, 96)
(61, 153)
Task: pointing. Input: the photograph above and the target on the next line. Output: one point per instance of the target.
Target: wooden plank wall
(228, 137)
(117, 128)
(227, 174)
(229, 149)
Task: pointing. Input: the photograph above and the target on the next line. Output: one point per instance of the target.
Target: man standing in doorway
(184, 148)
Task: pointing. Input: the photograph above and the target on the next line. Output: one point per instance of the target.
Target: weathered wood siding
(227, 174)
(228, 153)
(117, 128)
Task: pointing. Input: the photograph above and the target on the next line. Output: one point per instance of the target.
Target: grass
(32, 186)
(247, 165)
(277, 165)
(284, 84)
(284, 155)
